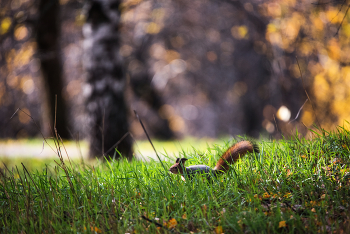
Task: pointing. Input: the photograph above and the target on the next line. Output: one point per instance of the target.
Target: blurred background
(200, 68)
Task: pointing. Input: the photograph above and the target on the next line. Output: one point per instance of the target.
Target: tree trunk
(105, 82)
(48, 33)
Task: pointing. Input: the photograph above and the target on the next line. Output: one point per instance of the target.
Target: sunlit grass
(292, 186)
(36, 153)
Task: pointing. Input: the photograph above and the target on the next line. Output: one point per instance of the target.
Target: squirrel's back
(201, 169)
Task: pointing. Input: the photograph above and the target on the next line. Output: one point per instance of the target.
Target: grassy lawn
(290, 186)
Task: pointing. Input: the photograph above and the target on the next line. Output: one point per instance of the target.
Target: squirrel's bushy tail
(234, 153)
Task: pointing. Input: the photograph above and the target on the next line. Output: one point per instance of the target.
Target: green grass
(292, 186)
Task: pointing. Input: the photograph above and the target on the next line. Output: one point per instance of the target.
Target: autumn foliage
(243, 67)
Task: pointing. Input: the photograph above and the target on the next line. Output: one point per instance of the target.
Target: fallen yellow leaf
(312, 203)
(282, 224)
(218, 230)
(96, 229)
(172, 223)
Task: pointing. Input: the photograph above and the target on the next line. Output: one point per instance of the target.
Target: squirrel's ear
(177, 160)
(183, 160)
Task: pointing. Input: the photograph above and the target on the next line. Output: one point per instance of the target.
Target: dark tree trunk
(48, 33)
(105, 81)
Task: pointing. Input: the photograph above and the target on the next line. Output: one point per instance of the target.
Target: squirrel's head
(179, 166)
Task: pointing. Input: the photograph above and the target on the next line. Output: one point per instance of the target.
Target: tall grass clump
(291, 186)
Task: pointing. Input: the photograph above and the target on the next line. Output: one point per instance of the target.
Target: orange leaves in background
(240, 32)
(21, 32)
(333, 49)
(323, 32)
(20, 57)
(153, 28)
(5, 25)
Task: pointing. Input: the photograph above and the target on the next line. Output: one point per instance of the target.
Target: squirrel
(230, 156)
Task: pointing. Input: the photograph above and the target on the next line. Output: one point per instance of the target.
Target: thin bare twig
(341, 7)
(55, 111)
(342, 21)
(149, 139)
(302, 81)
(102, 131)
(42, 149)
(274, 119)
(65, 150)
(35, 183)
(322, 3)
(113, 146)
(14, 113)
(151, 221)
(298, 112)
(37, 126)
